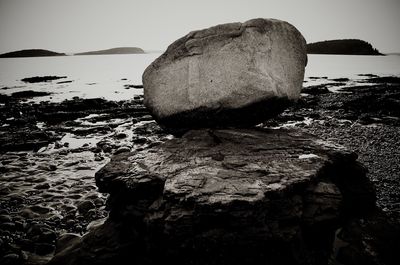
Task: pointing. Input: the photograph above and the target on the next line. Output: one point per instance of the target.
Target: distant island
(346, 46)
(120, 50)
(30, 53)
(41, 52)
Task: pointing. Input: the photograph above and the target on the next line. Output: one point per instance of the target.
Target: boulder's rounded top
(178, 49)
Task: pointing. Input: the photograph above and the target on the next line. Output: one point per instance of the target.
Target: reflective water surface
(106, 75)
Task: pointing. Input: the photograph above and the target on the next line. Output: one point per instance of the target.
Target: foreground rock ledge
(235, 74)
(226, 197)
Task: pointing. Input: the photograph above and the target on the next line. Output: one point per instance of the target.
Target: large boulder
(240, 196)
(235, 74)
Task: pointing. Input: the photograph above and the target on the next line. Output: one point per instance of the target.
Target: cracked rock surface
(242, 196)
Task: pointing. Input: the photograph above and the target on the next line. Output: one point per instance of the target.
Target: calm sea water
(104, 75)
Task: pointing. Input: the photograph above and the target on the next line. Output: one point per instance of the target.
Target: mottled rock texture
(235, 74)
(227, 197)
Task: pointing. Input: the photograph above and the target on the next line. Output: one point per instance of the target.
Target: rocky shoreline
(49, 155)
(51, 151)
(364, 118)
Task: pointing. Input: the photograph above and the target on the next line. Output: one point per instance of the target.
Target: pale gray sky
(81, 25)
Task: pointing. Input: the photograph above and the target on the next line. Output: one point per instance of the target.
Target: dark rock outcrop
(39, 79)
(235, 74)
(30, 53)
(226, 197)
(18, 121)
(25, 138)
(29, 94)
(347, 46)
(119, 50)
(315, 90)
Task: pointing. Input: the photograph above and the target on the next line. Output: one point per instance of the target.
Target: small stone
(16, 197)
(122, 150)
(37, 228)
(71, 163)
(10, 259)
(146, 118)
(4, 212)
(85, 206)
(98, 158)
(107, 148)
(52, 167)
(4, 190)
(140, 140)
(44, 248)
(49, 167)
(98, 202)
(7, 226)
(70, 222)
(96, 150)
(42, 186)
(40, 209)
(120, 135)
(27, 244)
(64, 152)
(24, 256)
(47, 236)
(5, 218)
(5, 234)
(91, 214)
(83, 167)
(69, 208)
(3, 169)
(28, 213)
(20, 225)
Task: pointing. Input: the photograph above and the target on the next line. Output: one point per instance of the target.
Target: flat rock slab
(220, 167)
(233, 196)
(235, 74)
(257, 193)
(223, 166)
